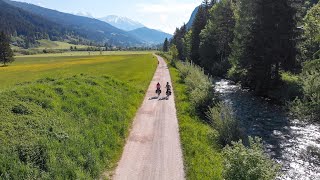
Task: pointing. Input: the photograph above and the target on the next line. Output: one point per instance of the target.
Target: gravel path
(153, 149)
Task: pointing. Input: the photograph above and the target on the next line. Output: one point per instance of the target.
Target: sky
(164, 15)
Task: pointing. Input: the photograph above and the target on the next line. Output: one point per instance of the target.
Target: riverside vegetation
(68, 117)
(209, 133)
(269, 47)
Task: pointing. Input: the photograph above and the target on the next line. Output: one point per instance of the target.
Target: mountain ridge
(150, 36)
(192, 17)
(90, 28)
(123, 23)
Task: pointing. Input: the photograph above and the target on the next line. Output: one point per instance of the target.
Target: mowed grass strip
(72, 125)
(201, 153)
(128, 68)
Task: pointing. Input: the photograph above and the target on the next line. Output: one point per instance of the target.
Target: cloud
(172, 7)
(166, 14)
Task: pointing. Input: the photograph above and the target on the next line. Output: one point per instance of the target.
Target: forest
(269, 47)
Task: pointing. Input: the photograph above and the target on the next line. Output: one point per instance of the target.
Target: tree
(216, 39)
(6, 54)
(311, 33)
(71, 48)
(165, 47)
(174, 53)
(242, 35)
(178, 40)
(186, 41)
(198, 25)
(265, 42)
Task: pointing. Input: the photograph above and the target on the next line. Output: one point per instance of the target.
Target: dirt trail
(153, 148)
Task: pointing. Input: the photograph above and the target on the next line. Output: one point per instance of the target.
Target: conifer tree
(166, 45)
(6, 54)
(216, 39)
(197, 26)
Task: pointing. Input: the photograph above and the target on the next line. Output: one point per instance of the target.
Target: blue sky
(165, 15)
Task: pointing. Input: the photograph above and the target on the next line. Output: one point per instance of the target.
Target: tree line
(250, 41)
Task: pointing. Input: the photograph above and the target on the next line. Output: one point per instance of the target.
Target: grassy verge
(209, 131)
(69, 121)
(202, 156)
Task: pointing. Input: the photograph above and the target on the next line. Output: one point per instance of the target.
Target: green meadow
(67, 117)
(124, 66)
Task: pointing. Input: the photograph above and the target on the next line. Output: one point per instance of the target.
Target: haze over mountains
(138, 30)
(123, 23)
(150, 36)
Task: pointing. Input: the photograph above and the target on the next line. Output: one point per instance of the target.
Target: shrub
(199, 86)
(223, 121)
(21, 109)
(248, 163)
(309, 106)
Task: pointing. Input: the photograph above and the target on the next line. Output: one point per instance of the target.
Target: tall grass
(70, 128)
(202, 157)
(222, 120)
(199, 86)
(67, 117)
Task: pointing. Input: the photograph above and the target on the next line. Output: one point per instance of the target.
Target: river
(292, 143)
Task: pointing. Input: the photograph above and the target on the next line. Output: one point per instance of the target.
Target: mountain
(91, 29)
(17, 22)
(85, 14)
(193, 16)
(150, 36)
(122, 22)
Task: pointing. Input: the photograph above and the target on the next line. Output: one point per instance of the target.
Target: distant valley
(29, 23)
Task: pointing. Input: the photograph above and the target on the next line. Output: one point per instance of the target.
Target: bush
(248, 163)
(199, 86)
(222, 120)
(309, 106)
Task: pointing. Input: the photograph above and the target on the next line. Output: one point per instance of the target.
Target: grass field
(201, 152)
(47, 44)
(68, 117)
(128, 67)
(89, 53)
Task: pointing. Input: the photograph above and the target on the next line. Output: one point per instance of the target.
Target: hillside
(150, 36)
(122, 22)
(18, 22)
(193, 16)
(92, 29)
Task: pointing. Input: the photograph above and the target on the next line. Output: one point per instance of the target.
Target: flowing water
(292, 143)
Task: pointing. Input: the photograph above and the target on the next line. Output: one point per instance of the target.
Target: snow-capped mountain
(122, 22)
